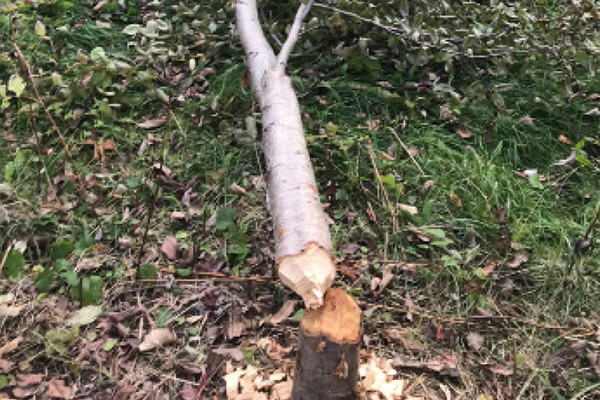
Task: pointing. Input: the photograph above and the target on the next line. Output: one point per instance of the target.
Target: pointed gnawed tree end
(310, 274)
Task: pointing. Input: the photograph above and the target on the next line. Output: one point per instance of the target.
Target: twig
(4, 259)
(214, 278)
(387, 199)
(154, 194)
(465, 320)
(294, 34)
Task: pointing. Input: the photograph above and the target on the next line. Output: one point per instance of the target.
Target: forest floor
(136, 248)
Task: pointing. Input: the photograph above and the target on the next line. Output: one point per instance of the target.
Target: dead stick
(387, 199)
(523, 321)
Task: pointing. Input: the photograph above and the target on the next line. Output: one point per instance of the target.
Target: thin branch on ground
(387, 199)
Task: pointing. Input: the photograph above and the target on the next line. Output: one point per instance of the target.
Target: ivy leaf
(16, 85)
(40, 29)
(61, 249)
(44, 280)
(90, 291)
(14, 265)
(225, 218)
(147, 271)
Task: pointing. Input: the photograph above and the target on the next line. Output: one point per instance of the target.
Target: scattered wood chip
(564, 139)
(157, 338)
(235, 188)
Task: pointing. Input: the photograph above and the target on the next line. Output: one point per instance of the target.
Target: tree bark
(328, 350)
(302, 240)
(327, 365)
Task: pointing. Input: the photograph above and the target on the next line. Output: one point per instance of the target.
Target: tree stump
(328, 350)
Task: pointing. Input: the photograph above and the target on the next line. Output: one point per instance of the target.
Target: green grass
(412, 146)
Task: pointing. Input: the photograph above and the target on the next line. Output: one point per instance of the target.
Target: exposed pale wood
(328, 350)
(302, 240)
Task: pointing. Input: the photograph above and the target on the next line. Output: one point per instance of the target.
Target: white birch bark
(302, 240)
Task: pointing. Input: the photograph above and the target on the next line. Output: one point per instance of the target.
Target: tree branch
(294, 34)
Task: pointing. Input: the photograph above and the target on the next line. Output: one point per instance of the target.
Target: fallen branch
(303, 249)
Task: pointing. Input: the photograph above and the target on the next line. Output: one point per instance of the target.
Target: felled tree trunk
(327, 365)
(302, 240)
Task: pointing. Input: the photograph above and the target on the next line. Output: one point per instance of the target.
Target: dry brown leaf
(188, 392)
(235, 188)
(9, 311)
(594, 112)
(527, 120)
(156, 338)
(10, 346)
(412, 210)
(517, 260)
(58, 390)
(284, 312)
(5, 365)
(463, 133)
(489, 268)
(169, 248)
(25, 380)
(152, 123)
(235, 325)
(564, 139)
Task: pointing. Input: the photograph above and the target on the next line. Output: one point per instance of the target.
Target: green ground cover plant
(462, 186)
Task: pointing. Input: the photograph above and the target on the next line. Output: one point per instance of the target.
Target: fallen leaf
(475, 341)
(235, 325)
(156, 338)
(10, 311)
(594, 112)
(282, 390)
(517, 260)
(527, 120)
(58, 390)
(489, 268)
(10, 346)
(188, 392)
(123, 392)
(463, 133)
(564, 139)
(561, 359)
(569, 160)
(152, 123)
(235, 188)
(25, 380)
(284, 312)
(85, 315)
(410, 304)
(412, 210)
(5, 366)
(169, 247)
